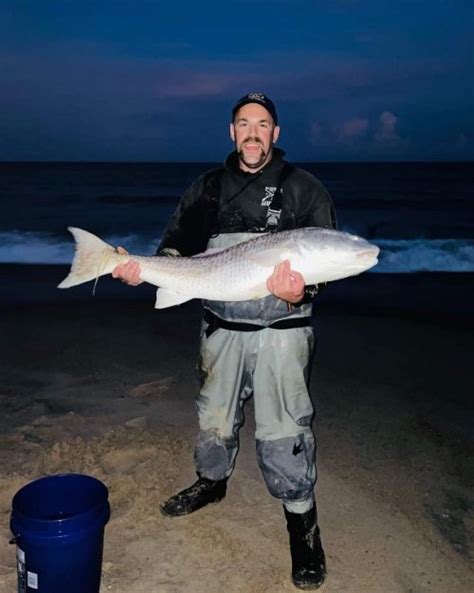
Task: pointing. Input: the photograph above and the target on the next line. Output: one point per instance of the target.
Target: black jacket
(227, 200)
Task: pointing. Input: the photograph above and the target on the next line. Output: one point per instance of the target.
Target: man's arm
(195, 218)
(285, 283)
(321, 212)
(183, 235)
(182, 232)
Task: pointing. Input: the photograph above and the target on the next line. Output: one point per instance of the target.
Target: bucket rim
(22, 522)
(52, 477)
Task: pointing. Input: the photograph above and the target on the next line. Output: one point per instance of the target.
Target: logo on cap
(257, 97)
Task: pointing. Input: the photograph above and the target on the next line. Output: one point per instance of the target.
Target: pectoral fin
(167, 298)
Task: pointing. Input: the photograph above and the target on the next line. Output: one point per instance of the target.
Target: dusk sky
(155, 81)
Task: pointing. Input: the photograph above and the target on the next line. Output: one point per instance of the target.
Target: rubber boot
(200, 494)
(307, 555)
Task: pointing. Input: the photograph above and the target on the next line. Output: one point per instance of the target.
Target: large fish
(237, 273)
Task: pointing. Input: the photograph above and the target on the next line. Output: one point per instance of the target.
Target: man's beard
(254, 165)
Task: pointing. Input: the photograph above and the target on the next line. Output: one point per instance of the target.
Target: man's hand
(129, 272)
(286, 284)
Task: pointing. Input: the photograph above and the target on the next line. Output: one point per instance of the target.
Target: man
(261, 347)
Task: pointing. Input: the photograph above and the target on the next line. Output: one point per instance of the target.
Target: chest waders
(258, 348)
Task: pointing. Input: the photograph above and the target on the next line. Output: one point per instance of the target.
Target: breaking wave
(425, 255)
(45, 248)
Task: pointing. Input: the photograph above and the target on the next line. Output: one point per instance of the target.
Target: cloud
(386, 132)
(351, 129)
(387, 137)
(81, 96)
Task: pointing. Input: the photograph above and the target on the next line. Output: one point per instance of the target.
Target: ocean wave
(396, 255)
(46, 248)
(425, 255)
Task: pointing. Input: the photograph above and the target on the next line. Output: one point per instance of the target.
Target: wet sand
(105, 386)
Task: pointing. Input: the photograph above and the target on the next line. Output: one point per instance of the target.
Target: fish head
(332, 255)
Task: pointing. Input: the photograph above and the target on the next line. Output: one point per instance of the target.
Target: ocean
(421, 215)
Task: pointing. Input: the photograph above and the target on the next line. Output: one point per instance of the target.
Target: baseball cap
(260, 99)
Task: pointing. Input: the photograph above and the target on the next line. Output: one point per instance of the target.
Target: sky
(149, 80)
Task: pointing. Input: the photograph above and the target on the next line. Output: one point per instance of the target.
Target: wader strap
(274, 209)
(212, 190)
(215, 322)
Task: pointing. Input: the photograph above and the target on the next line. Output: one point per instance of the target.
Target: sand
(106, 388)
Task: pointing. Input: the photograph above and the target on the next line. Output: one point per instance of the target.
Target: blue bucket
(58, 523)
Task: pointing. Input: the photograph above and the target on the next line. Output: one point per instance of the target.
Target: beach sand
(105, 386)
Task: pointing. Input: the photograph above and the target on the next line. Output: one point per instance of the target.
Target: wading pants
(273, 365)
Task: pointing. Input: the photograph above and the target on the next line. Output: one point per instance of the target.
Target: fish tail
(93, 258)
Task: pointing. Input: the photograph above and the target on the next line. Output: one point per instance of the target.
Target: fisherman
(259, 347)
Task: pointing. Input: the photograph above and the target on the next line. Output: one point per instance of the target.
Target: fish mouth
(369, 253)
(368, 258)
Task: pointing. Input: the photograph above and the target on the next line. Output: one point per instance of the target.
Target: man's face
(253, 133)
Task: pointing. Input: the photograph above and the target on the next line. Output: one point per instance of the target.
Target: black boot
(307, 555)
(195, 497)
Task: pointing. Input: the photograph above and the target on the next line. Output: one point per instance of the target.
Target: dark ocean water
(420, 214)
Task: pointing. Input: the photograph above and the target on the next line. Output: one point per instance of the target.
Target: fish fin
(168, 298)
(269, 258)
(93, 258)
